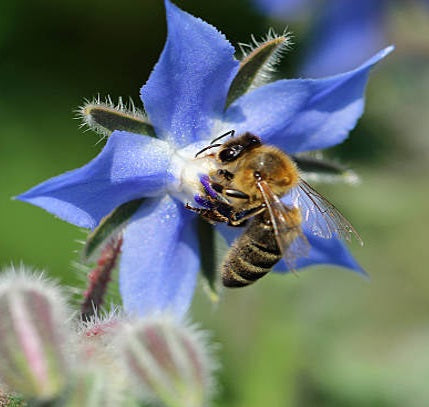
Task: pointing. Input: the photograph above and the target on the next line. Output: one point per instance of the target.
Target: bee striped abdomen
(252, 255)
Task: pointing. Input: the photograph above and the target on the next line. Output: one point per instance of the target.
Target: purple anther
(205, 182)
(203, 202)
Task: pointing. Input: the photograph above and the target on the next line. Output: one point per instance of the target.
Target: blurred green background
(326, 338)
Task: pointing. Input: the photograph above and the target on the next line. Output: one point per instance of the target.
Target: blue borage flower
(343, 34)
(185, 100)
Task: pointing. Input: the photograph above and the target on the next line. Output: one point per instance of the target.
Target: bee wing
(323, 218)
(290, 239)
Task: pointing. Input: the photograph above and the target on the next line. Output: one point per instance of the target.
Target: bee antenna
(231, 132)
(207, 148)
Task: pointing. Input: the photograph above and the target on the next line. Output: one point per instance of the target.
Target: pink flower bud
(168, 362)
(92, 387)
(32, 360)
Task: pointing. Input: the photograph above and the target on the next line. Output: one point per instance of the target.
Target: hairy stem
(99, 278)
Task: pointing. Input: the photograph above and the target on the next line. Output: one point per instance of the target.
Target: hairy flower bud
(32, 361)
(95, 387)
(167, 362)
(98, 379)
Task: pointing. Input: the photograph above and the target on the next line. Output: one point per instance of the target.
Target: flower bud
(98, 379)
(95, 387)
(32, 360)
(167, 362)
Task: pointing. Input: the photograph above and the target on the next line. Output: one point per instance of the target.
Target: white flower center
(187, 172)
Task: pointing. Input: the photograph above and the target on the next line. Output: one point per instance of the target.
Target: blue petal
(159, 262)
(281, 8)
(130, 166)
(345, 35)
(304, 114)
(323, 251)
(316, 228)
(188, 87)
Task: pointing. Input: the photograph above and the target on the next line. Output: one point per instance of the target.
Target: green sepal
(209, 244)
(213, 248)
(319, 165)
(323, 170)
(257, 65)
(106, 118)
(109, 225)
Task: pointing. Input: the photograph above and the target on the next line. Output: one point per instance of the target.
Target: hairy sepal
(210, 243)
(106, 117)
(109, 226)
(258, 63)
(315, 168)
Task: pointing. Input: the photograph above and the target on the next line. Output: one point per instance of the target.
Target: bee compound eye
(254, 140)
(228, 154)
(257, 175)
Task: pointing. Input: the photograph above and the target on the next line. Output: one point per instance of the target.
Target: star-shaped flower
(196, 91)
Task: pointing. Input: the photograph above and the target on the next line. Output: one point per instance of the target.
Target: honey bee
(246, 187)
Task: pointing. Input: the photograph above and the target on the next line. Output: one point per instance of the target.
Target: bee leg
(217, 187)
(233, 193)
(210, 215)
(238, 218)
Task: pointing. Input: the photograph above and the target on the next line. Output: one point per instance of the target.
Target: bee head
(234, 148)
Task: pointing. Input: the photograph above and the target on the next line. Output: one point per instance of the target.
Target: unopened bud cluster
(114, 361)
